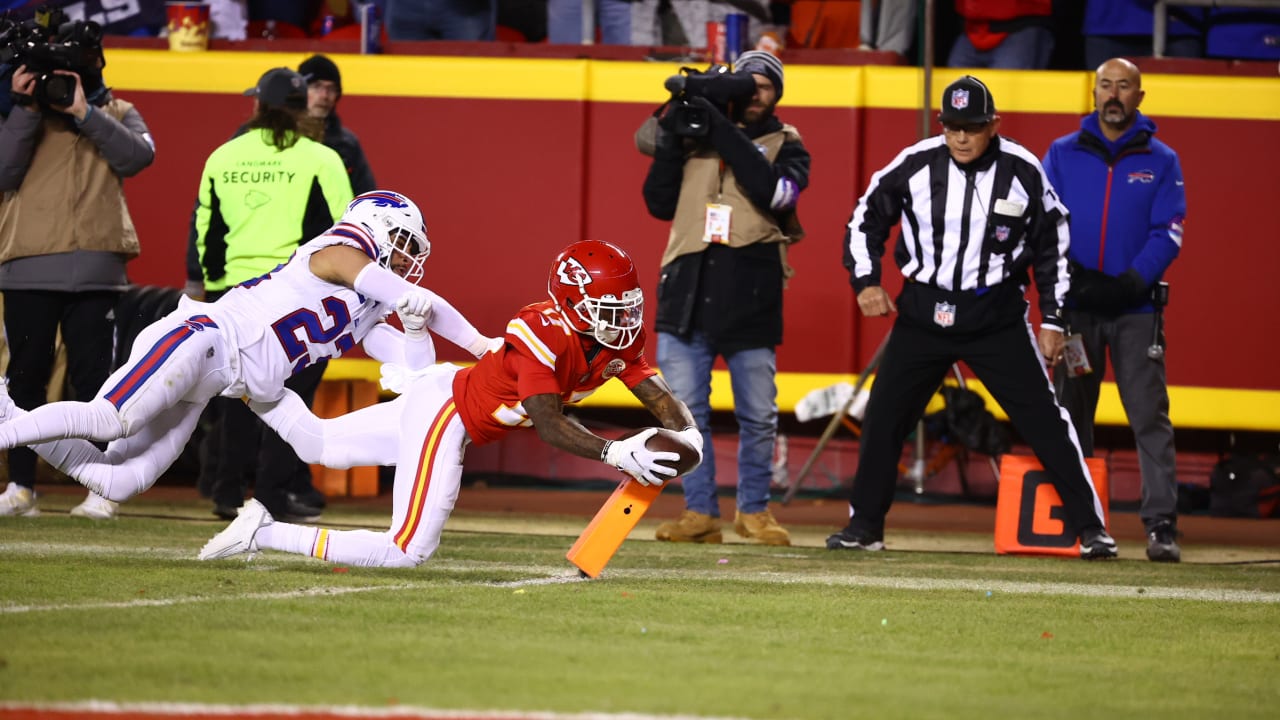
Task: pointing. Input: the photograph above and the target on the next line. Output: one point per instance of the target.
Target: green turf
(735, 630)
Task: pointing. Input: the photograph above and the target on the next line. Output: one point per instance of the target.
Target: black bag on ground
(969, 423)
(1245, 485)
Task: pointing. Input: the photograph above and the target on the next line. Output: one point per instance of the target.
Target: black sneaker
(1162, 544)
(1096, 544)
(851, 539)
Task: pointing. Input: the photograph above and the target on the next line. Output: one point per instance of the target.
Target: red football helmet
(595, 286)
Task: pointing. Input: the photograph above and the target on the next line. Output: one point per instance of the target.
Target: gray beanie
(759, 61)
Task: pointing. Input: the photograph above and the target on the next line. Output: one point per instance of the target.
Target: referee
(977, 212)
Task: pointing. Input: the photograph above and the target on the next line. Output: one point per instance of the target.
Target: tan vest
(69, 199)
(707, 179)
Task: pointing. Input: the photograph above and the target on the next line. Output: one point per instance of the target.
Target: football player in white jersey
(555, 352)
(333, 294)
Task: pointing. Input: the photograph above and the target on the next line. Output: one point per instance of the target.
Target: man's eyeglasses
(952, 128)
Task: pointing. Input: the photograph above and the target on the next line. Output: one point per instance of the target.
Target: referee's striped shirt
(963, 228)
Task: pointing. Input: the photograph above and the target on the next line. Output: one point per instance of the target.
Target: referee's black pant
(1007, 361)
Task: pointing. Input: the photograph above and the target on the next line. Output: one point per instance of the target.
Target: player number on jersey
(314, 332)
(512, 416)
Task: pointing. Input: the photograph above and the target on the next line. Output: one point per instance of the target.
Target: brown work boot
(761, 528)
(692, 527)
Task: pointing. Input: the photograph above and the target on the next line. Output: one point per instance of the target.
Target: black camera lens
(56, 90)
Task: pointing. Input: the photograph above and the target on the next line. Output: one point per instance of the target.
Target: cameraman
(65, 238)
(731, 197)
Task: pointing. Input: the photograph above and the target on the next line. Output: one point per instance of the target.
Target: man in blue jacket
(1124, 190)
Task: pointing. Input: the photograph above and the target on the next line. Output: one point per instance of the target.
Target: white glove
(483, 345)
(414, 308)
(414, 302)
(633, 458)
(693, 436)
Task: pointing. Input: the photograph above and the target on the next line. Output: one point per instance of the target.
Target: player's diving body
(554, 352)
(333, 294)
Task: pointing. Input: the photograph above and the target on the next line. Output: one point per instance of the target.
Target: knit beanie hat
(759, 61)
(319, 67)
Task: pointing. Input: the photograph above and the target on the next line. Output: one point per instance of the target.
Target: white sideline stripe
(166, 602)
(556, 574)
(354, 711)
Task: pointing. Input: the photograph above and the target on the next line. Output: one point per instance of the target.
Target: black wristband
(604, 452)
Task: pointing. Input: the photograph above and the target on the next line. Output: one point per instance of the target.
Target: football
(670, 441)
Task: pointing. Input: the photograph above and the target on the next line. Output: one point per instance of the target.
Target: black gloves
(1098, 292)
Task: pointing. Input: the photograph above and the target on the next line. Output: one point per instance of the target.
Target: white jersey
(288, 319)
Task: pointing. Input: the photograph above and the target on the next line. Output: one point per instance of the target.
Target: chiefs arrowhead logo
(571, 272)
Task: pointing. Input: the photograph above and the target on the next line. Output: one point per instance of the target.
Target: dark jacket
(347, 145)
(1126, 198)
(731, 294)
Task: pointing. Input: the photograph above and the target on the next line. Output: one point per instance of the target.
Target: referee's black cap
(967, 101)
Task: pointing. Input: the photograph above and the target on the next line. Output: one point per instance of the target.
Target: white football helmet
(397, 229)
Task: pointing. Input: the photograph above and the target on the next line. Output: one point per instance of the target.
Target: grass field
(499, 623)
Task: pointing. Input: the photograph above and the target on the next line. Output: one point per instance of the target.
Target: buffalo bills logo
(960, 99)
(614, 368)
(381, 198)
(571, 272)
(1142, 176)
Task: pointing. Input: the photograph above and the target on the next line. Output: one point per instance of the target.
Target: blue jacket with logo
(1126, 198)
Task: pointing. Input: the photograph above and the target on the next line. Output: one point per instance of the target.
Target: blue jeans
(1026, 49)
(442, 19)
(686, 366)
(564, 22)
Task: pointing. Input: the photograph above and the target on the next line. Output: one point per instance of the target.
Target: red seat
(345, 32)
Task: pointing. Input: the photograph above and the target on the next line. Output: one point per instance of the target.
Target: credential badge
(944, 314)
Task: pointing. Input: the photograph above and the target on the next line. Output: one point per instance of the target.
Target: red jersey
(542, 354)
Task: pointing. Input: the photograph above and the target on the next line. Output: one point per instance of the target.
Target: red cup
(188, 26)
(715, 42)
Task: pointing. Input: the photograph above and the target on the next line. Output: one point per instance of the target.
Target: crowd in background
(1025, 34)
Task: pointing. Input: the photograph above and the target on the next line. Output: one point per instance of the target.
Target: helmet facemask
(402, 248)
(614, 322)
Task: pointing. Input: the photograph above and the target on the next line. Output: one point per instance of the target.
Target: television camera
(48, 42)
(729, 92)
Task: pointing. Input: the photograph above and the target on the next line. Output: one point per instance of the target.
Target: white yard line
(167, 602)
(542, 575)
(353, 711)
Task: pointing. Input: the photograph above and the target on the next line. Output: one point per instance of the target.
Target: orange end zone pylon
(612, 524)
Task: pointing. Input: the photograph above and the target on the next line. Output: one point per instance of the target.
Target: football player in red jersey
(555, 352)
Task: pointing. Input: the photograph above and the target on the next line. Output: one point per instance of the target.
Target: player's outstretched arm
(344, 265)
(630, 455)
(654, 393)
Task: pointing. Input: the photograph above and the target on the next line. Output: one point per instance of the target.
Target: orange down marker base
(612, 524)
(1030, 516)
